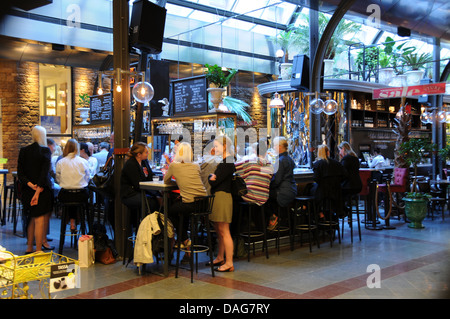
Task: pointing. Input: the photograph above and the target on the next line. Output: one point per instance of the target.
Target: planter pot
(399, 80)
(286, 71)
(84, 114)
(385, 76)
(414, 77)
(328, 67)
(216, 95)
(416, 211)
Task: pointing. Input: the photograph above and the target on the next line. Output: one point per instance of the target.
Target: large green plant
(414, 151)
(367, 61)
(216, 75)
(297, 36)
(416, 61)
(337, 41)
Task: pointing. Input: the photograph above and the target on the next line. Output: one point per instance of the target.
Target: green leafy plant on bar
(83, 100)
(220, 78)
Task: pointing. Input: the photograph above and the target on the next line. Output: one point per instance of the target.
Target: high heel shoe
(219, 263)
(48, 248)
(230, 269)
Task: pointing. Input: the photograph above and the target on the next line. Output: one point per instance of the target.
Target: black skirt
(45, 202)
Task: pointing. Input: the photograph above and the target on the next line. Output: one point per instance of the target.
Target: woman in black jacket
(352, 183)
(222, 211)
(135, 170)
(328, 177)
(33, 172)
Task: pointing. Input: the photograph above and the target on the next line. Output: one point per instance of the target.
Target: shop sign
(406, 91)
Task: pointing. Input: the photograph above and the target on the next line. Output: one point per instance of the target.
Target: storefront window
(55, 105)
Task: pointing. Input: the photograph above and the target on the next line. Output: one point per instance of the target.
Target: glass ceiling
(268, 17)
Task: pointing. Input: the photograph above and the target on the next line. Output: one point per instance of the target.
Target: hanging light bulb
(330, 107)
(442, 116)
(425, 117)
(279, 54)
(118, 88)
(100, 84)
(276, 102)
(143, 92)
(316, 106)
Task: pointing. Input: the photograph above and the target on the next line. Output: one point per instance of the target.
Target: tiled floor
(412, 264)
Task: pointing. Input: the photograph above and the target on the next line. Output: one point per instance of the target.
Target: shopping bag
(86, 253)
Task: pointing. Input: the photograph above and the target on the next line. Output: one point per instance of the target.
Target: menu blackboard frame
(203, 109)
(96, 121)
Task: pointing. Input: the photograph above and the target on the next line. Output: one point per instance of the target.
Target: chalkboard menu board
(100, 108)
(189, 96)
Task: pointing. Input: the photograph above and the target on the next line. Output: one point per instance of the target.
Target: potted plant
(416, 203)
(299, 38)
(416, 62)
(285, 40)
(218, 81)
(396, 61)
(84, 102)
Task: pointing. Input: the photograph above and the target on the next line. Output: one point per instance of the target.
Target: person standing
(33, 172)
(222, 211)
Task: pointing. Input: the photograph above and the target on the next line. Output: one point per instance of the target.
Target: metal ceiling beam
(342, 8)
(226, 14)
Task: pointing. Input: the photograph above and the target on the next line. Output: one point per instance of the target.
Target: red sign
(405, 91)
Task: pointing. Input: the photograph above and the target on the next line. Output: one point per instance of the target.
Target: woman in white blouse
(72, 174)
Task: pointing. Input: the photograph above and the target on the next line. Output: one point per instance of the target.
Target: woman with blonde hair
(33, 172)
(72, 174)
(189, 182)
(222, 212)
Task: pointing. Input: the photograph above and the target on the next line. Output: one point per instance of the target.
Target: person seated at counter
(187, 177)
(352, 184)
(283, 188)
(377, 162)
(135, 170)
(257, 173)
(328, 176)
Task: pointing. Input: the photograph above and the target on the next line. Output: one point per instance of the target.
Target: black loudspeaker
(159, 79)
(403, 32)
(300, 73)
(147, 26)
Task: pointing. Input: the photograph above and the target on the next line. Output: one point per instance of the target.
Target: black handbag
(238, 186)
(103, 181)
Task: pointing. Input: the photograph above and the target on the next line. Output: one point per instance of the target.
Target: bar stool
(82, 213)
(283, 214)
(305, 220)
(251, 235)
(202, 209)
(330, 222)
(349, 204)
(130, 236)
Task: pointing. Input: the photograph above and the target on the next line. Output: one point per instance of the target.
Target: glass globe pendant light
(143, 92)
(330, 107)
(316, 106)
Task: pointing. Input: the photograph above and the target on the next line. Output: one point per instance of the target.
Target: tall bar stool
(306, 215)
(330, 222)
(202, 209)
(82, 213)
(349, 203)
(283, 215)
(251, 235)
